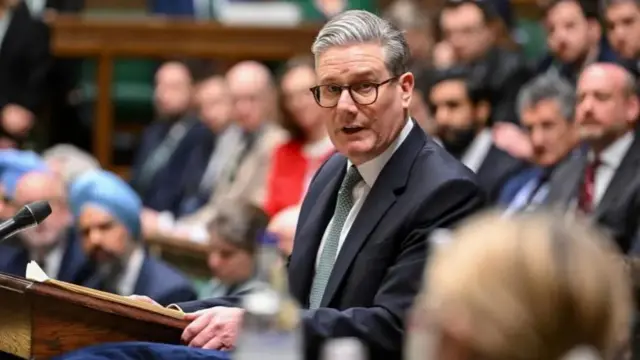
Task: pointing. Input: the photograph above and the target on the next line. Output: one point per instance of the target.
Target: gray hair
(73, 162)
(548, 87)
(359, 27)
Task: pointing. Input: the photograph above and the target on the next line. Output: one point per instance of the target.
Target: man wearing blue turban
(107, 214)
(25, 178)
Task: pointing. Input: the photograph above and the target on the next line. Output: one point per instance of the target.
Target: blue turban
(110, 193)
(14, 164)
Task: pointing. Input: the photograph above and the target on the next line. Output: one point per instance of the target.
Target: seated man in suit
(107, 215)
(52, 244)
(546, 106)
(362, 237)
(461, 110)
(605, 183)
(170, 142)
(243, 171)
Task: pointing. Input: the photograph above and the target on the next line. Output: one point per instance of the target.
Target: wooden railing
(108, 39)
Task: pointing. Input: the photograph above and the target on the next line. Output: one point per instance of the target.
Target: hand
(511, 139)
(149, 220)
(145, 299)
(216, 328)
(16, 120)
(443, 55)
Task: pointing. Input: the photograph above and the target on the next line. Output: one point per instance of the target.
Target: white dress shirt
(369, 172)
(127, 283)
(53, 259)
(478, 150)
(610, 159)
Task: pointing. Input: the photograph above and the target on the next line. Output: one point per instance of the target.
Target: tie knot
(351, 179)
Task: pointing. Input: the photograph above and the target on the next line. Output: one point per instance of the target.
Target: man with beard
(574, 38)
(107, 214)
(52, 244)
(461, 111)
(622, 18)
(605, 183)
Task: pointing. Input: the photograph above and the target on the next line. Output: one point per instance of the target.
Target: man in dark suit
(24, 66)
(53, 244)
(168, 144)
(546, 106)
(362, 236)
(605, 182)
(461, 110)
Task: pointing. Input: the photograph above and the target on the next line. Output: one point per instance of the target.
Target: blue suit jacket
(165, 191)
(172, 7)
(379, 269)
(74, 268)
(513, 186)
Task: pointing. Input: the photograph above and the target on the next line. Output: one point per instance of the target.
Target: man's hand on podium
(145, 299)
(215, 328)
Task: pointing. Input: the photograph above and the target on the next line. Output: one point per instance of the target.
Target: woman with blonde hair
(531, 286)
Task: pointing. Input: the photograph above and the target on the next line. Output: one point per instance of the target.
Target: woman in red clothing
(294, 162)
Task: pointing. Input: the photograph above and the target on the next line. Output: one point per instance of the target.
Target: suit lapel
(622, 178)
(565, 181)
(382, 196)
(309, 236)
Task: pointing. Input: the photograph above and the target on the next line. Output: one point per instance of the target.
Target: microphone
(29, 216)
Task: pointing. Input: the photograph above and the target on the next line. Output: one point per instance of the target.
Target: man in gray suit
(605, 183)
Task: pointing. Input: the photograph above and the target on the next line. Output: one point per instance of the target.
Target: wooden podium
(40, 320)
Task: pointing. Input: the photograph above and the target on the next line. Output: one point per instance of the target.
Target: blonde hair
(533, 286)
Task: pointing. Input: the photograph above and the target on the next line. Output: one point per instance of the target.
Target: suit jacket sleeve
(66, 6)
(381, 327)
(39, 62)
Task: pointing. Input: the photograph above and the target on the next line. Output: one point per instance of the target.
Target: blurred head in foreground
(533, 287)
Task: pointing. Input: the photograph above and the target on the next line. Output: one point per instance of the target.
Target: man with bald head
(605, 182)
(244, 173)
(52, 244)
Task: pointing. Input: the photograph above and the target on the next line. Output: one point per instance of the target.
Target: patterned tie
(330, 249)
(587, 190)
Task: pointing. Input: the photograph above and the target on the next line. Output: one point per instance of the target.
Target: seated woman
(107, 215)
(532, 286)
(294, 162)
(234, 234)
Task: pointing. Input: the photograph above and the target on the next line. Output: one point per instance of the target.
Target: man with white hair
(362, 237)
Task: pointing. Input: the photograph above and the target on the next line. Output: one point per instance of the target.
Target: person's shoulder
(434, 163)
(165, 274)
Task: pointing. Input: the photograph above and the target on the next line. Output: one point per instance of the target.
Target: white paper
(35, 273)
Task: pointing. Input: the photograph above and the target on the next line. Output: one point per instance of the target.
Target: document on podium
(35, 273)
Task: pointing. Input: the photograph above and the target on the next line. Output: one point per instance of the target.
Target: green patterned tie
(330, 249)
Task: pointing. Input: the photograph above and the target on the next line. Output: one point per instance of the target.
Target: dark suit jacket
(74, 267)
(619, 209)
(163, 283)
(495, 171)
(156, 280)
(24, 61)
(66, 6)
(167, 187)
(379, 268)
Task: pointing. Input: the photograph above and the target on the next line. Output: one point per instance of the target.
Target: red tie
(585, 201)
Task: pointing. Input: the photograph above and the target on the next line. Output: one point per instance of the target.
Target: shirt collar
(127, 283)
(613, 154)
(372, 168)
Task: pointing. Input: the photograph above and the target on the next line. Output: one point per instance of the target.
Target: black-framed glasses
(363, 93)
